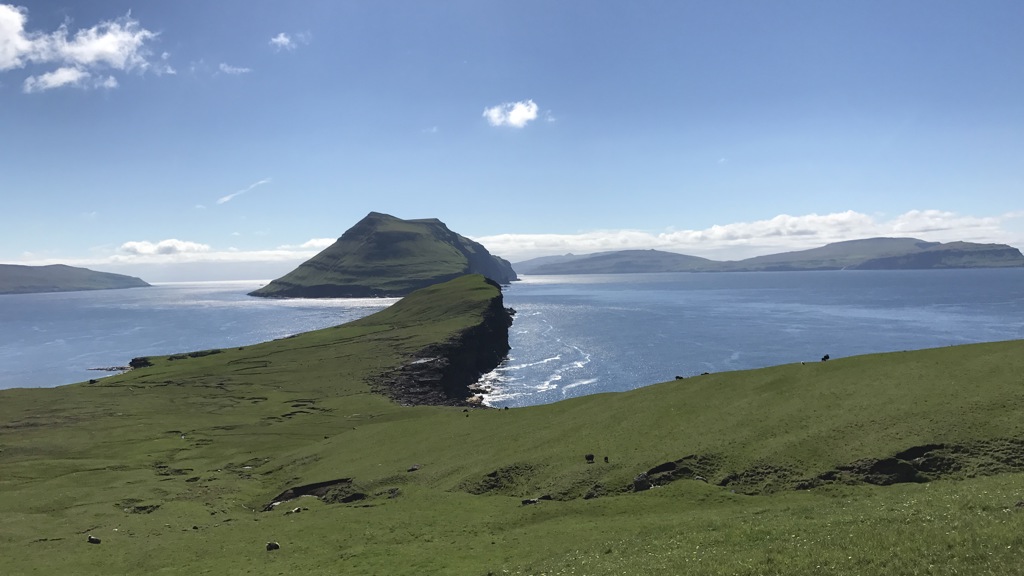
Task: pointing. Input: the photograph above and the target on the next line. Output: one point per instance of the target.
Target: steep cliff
(443, 372)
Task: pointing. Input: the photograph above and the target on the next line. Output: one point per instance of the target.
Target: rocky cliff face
(443, 373)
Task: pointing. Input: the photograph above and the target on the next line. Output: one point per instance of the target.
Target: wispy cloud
(285, 41)
(230, 197)
(514, 114)
(82, 58)
(233, 70)
(173, 251)
(778, 234)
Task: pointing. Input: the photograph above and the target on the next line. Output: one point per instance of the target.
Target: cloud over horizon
(514, 114)
(781, 233)
(82, 58)
(163, 247)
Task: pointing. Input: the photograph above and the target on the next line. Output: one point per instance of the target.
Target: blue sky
(189, 140)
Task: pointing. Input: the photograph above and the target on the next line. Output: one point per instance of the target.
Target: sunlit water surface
(572, 335)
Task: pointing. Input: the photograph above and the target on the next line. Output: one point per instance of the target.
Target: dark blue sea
(572, 335)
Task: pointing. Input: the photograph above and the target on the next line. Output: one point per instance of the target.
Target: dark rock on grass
(641, 482)
(328, 491)
(93, 540)
(273, 546)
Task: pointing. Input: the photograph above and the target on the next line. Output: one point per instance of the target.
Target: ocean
(572, 335)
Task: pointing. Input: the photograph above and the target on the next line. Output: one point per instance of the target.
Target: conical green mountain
(386, 256)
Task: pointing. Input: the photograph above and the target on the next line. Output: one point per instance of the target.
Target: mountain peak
(382, 255)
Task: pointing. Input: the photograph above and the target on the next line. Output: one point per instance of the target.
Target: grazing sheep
(590, 458)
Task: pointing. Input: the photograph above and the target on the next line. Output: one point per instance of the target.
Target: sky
(191, 140)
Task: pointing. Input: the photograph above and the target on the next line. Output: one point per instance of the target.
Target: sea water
(59, 338)
(572, 335)
(577, 335)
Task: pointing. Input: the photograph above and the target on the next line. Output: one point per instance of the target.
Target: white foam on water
(568, 387)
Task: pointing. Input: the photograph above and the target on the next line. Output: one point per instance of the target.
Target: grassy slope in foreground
(386, 256)
(16, 279)
(170, 466)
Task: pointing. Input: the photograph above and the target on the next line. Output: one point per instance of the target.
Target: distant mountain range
(17, 279)
(386, 256)
(868, 254)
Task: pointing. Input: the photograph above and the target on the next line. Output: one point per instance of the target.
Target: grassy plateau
(901, 463)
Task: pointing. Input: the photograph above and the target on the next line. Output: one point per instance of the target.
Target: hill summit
(386, 256)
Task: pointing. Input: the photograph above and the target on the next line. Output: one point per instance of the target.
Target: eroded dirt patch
(512, 480)
(928, 462)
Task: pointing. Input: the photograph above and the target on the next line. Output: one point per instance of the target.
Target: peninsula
(386, 256)
(17, 279)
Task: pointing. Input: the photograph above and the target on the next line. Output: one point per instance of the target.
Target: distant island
(17, 279)
(386, 256)
(867, 254)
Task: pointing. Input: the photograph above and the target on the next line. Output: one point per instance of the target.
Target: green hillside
(867, 254)
(901, 463)
(620, 262)
(16, 279)
(386, 256)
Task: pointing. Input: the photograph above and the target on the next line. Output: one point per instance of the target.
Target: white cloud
(311, 244)
(163, 247)
(229, 197)
(282, 42)
(318, 243)
(285, 41)
(233, 70)
(514, 114)
(120, 44)
(778, 234)
(66, 76)
(15, 45)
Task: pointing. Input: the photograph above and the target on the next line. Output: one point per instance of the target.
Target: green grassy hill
(16, 279)
(901, 463)
(386, 256)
